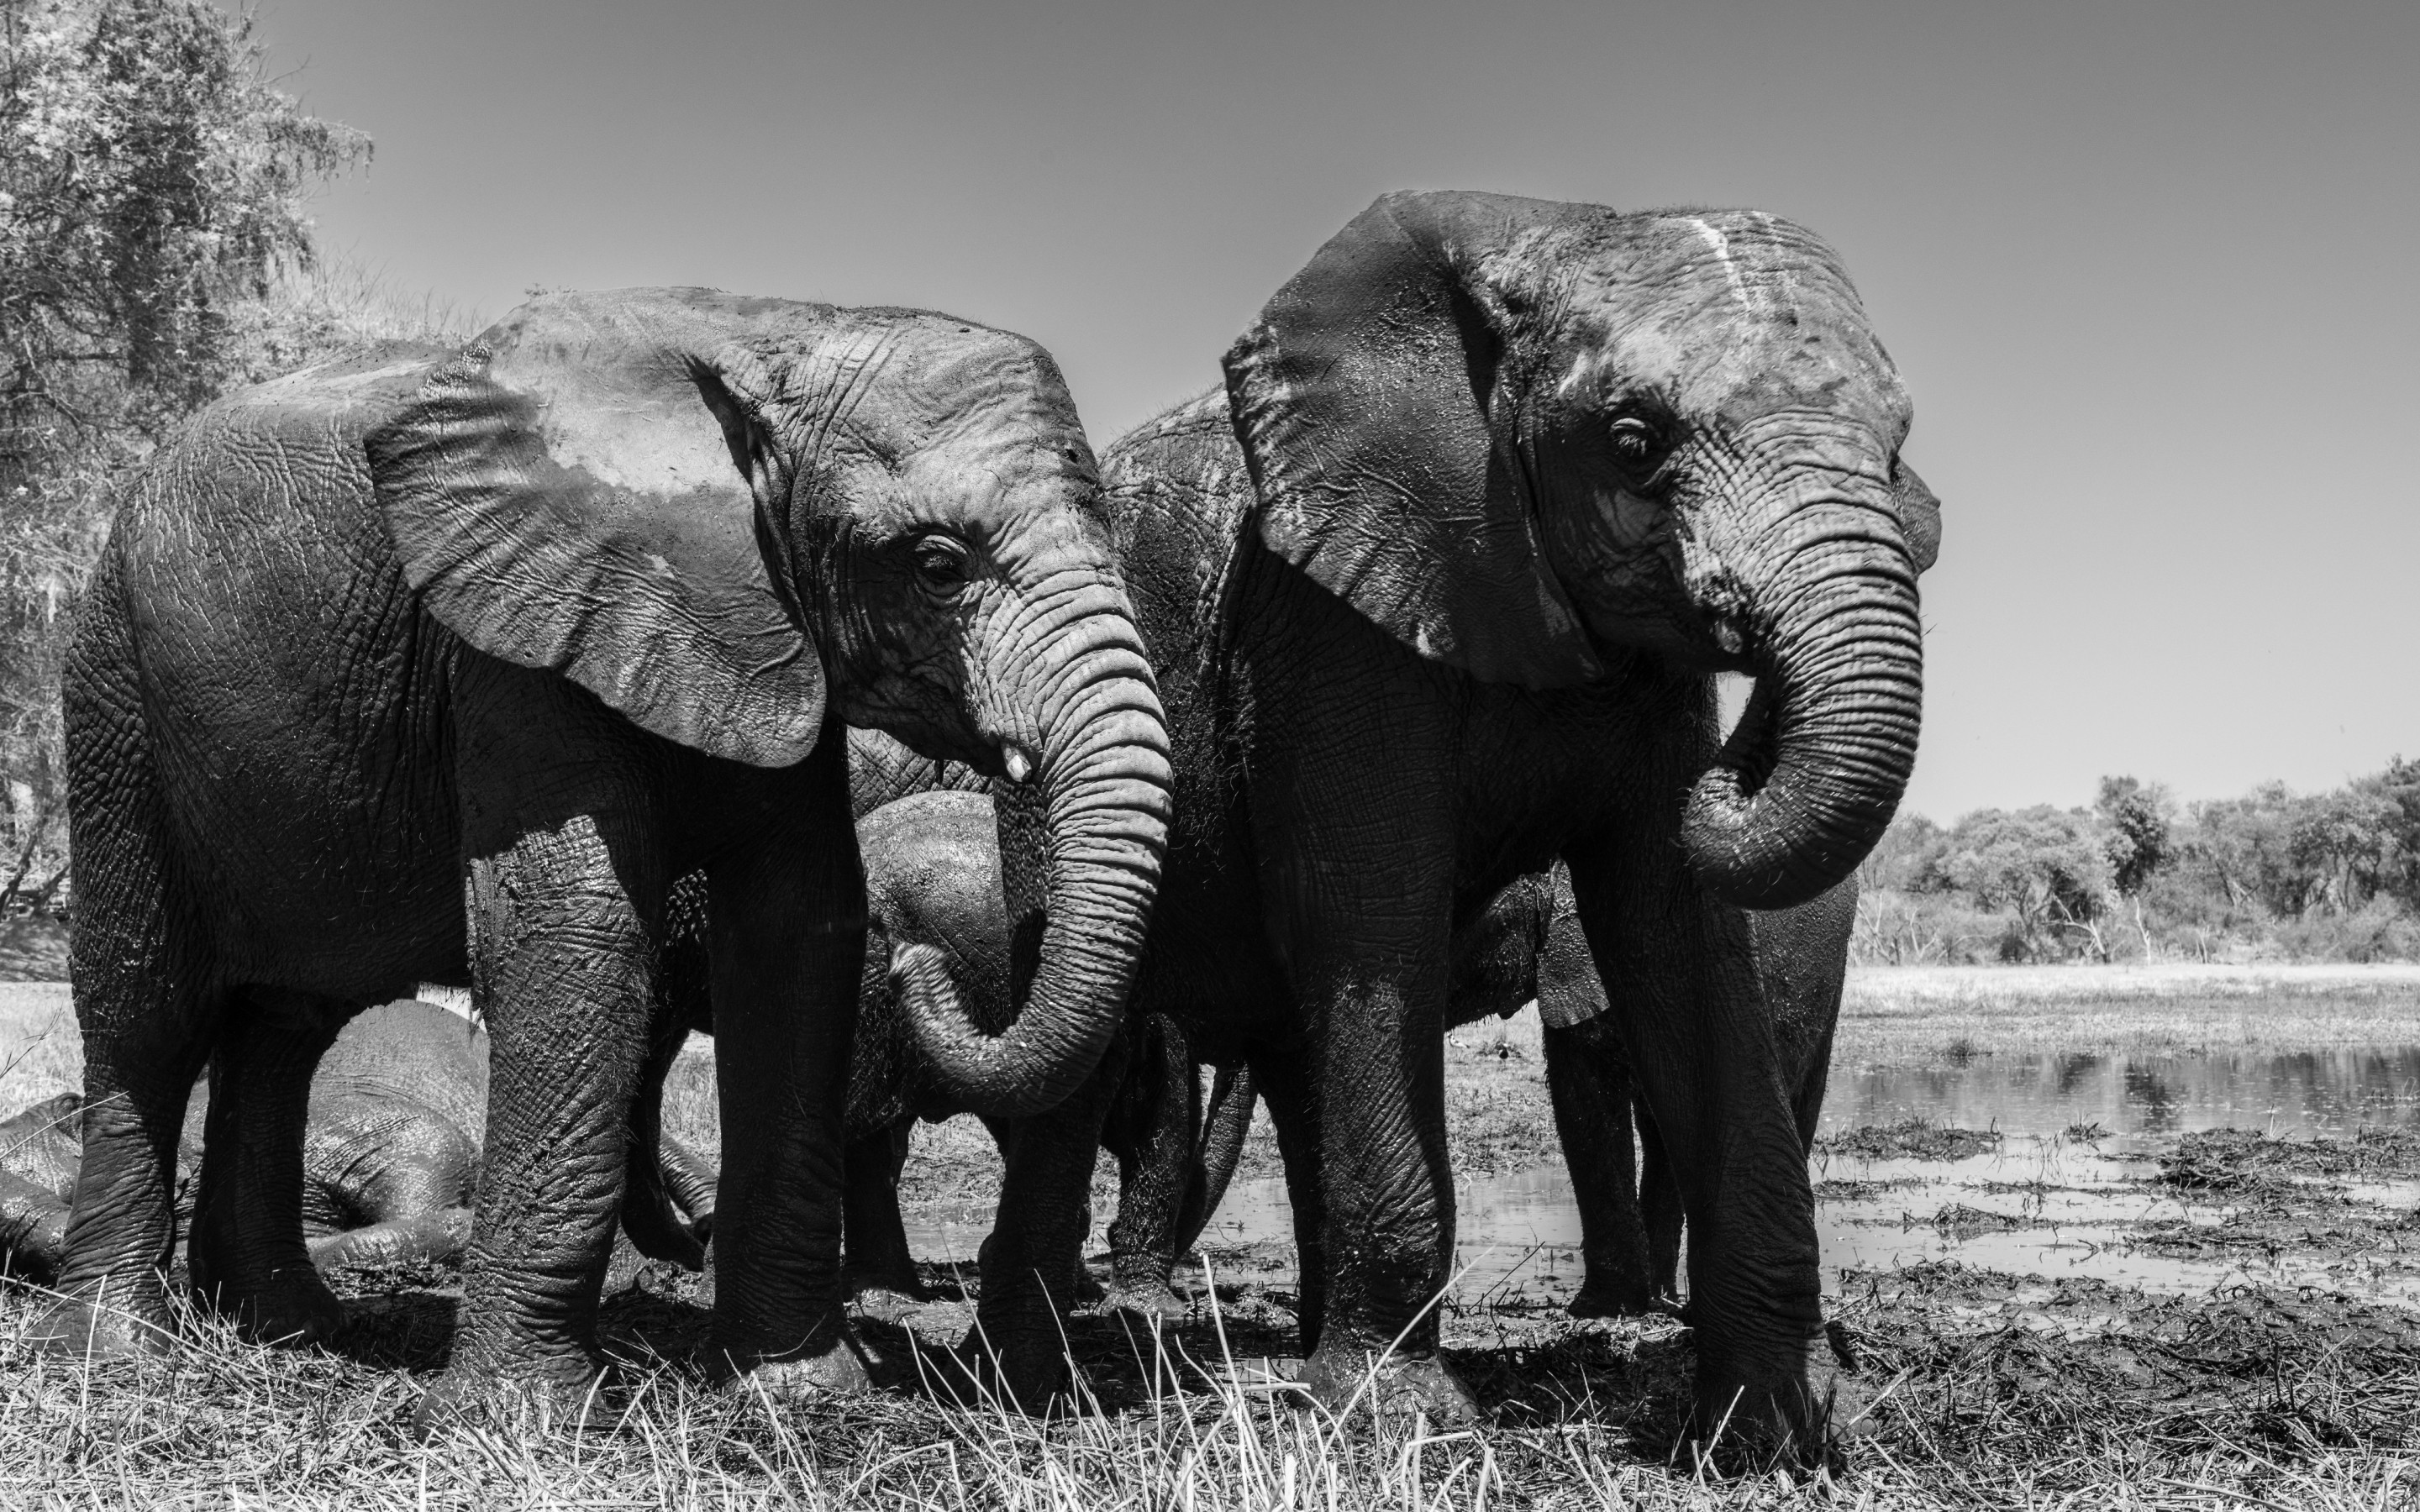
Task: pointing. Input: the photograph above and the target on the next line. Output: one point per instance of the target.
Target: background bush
(2272, 875)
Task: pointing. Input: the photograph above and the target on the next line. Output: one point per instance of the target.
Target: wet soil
(2063, 1262)
(2311, 1343)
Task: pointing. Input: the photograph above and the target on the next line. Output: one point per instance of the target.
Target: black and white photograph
(1317, 757)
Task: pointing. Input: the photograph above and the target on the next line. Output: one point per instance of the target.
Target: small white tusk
(1019, 767)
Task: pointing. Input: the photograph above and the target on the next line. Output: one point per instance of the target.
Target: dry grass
(41, 1054)
(1915, 1015)
(1956, 1416)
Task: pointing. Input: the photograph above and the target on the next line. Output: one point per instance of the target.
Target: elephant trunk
(1224, 1129)
(1102, 777)
(1808, 782)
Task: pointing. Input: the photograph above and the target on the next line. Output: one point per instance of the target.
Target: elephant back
(409, 1051)
(1179, 497)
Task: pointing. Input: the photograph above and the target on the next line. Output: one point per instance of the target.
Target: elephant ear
(573, 492)
(1362, 399)
(1919, 516)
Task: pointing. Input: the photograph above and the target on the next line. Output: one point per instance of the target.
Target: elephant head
(1519, 434)
(728, 517)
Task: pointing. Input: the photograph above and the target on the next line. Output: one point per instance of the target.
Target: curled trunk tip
(1811, 779)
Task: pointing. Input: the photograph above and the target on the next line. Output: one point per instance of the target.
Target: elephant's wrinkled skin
(429, 667)
(1630, 1233)
(1529, 946)
(1435, 590)
(933, 870)
(390, 1156)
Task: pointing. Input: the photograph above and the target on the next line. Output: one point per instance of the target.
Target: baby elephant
(934, 882)
(391, 1151)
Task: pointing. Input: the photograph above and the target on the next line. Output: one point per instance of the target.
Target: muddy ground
(2052, 1306)
(1969, 1366)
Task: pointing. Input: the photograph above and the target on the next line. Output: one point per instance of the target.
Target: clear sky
(2152, 269)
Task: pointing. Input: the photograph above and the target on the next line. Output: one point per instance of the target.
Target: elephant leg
(1154, 1133)
(567, 882)
(33, 1230)
(1589, 1085)
(1374, 1101)
(1365, 937)
(787, 942)
(875, 1260)
(246, 1254)
(560, 957)
(148, 1004)
(438, 1237)
(392, 1183)
(1659, 1206)
(1287, 1086)
(1032, 1261)
(1226, 1126)
(1701, 1053)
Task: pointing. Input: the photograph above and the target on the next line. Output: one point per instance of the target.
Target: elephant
(1528, 946)
(390, 1160)
(421, 666)
(929, 838)
(1436, 586)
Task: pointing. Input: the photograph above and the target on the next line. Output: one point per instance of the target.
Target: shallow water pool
(2063, 1194)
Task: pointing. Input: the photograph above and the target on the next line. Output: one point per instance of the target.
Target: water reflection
(2300, 1092)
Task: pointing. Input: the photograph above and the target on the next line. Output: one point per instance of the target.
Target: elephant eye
(940, 566)
(1638, 446)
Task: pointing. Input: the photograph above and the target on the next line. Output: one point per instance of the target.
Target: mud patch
(2241, 1159)
(1914, 1138)
(1992, 1365)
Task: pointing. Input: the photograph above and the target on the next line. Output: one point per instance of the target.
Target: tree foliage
(2138, 818)
(151, 179)
(153, 182)
(2048, 868)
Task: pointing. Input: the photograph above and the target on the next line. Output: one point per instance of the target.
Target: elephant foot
(837, 1372)
(1612, 1300)
(1341, 1378)
(1791, 1420)
(885, 1304)
(573, 1398)
(292, 1308)
(882, 1285)
(120, 1321)
(833, 1364)
(1150, 1302)
(438, 1238)
(1025, 1374)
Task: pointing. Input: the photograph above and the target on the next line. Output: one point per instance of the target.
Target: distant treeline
(2273, 874)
